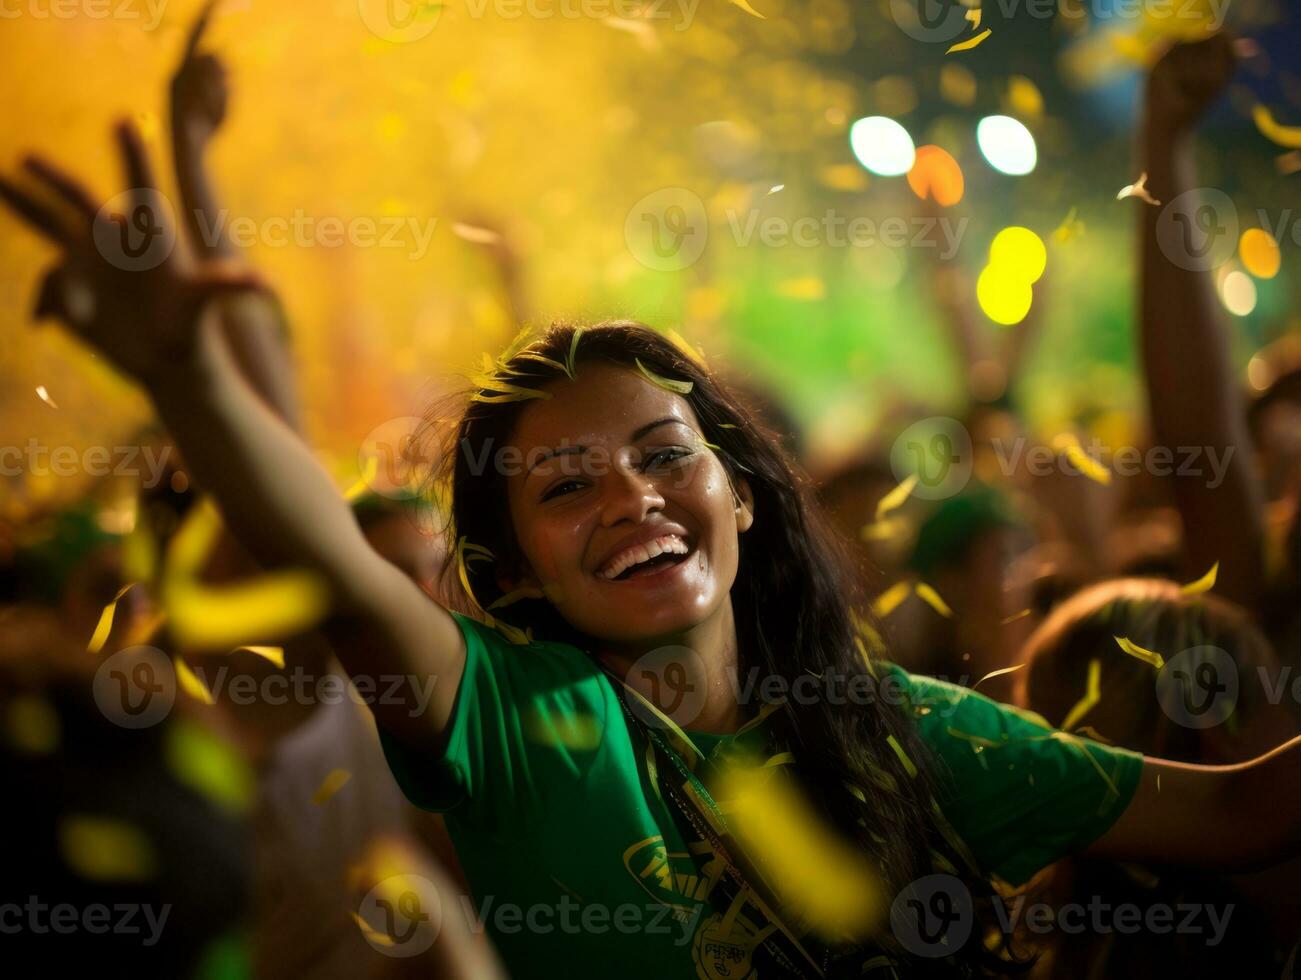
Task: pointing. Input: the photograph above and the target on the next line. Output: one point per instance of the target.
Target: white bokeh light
(882, 146)
(1007, 145)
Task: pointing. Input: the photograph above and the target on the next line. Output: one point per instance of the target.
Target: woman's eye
(560, 489)
(665, 457)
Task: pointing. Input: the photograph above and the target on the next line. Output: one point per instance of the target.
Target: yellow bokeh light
(1259, 253)
(1021, 250)
(1003, 294)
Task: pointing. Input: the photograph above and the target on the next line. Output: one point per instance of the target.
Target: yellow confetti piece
(889, 600)
(105, 624)
(932, 599)
(908, 765)
(1271, 129)
(193, 541)
(32, 725)
(822, 878)
(1069, 444)
(1139, 190)
(332, 783)
(1092, 695)
(581, 732)
(997, 673)
(1014, 617)
(895, 498)
(478, 236)
(190, 682)
(140, 553)
(106, 849)
(684, 345)
(372, 935)
(745, 5)
(886, 530)
(44, 396)
(1070, 229)
(273, 605)
(668, 384)
(1134, 650)
(970, 43)
(274, 654)
(1203, 584)
(972, 17)
(364, 481)
(209, 765)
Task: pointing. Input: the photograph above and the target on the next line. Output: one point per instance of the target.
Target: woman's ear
(744, 499)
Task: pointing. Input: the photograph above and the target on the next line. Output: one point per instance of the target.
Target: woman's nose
(629, 496)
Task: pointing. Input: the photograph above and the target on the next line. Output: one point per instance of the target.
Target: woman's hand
(199, 92)
(121, 285)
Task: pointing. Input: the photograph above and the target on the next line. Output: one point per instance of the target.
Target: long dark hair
(794, 600)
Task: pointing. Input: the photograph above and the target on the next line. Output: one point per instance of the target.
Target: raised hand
(199, 92)
(121, 285)
(1187, 79)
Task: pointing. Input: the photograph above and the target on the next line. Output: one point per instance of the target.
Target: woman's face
(626, 520)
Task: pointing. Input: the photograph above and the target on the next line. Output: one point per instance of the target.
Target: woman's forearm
(199, 213)
(1193, 396)
(275, 497)
(1261, 805)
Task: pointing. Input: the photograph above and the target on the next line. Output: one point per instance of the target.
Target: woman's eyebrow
(650, 427)
(552, 454)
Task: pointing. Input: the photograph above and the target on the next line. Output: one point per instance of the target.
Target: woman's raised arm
(1235, 818)
(122, 287)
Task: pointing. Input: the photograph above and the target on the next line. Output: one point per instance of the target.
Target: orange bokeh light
(936, 174)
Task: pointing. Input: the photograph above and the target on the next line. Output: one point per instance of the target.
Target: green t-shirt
(577, 865)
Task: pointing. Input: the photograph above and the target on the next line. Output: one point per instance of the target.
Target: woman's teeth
(638, 554)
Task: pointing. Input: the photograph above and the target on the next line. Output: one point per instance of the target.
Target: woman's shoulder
(511, 652)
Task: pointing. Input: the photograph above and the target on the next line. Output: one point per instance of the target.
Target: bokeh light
(882, 146)
(1019, 250)
(936, 175)
(1238, 293)
(1259, 253)
(1007, 145)
(1004, 296)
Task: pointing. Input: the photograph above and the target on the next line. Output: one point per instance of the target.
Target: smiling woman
(658, 547)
